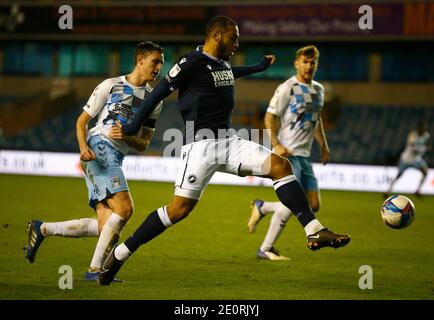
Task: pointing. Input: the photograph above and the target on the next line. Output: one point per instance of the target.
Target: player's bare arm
(86, 153)
(322, 140)
(139, 142)
(272, 123)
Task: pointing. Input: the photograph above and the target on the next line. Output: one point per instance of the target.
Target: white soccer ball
(398, 212)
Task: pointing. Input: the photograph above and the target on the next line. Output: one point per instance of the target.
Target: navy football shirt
(205, 87)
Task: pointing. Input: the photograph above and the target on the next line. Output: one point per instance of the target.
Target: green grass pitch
(211, 255)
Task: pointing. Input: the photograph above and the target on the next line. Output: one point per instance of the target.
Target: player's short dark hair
(219, 22)
(308, 51)
(146, 47)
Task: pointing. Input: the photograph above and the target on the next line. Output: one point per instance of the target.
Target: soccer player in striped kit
(418, 143)
(293, 119)
(102, 150)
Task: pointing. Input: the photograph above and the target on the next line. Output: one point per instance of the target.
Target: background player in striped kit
(293, 119)
(418, 143)
(102, 150)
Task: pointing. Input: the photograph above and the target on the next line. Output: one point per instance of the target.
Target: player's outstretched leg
(109, 268)
(327, 238)
(292, 195)
(34, 240)
(39, 230)
(155, 224)
(256, 215)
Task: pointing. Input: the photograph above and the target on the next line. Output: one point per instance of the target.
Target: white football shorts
(203, 158)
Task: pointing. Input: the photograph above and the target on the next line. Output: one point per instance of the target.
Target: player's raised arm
(161, 91)
(262, 65)
(139, 142)
(142, 139)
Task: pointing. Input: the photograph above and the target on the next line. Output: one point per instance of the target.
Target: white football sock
(277, 224)
(270, 207)
(122, 253)
(109, 235)
(72, 228)
(313, 227)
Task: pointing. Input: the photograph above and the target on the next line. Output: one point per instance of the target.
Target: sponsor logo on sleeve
(174, 71)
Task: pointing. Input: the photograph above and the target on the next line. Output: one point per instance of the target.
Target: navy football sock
(291, 194)
(148, 230)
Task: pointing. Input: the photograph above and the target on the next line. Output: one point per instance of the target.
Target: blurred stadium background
(379, 82)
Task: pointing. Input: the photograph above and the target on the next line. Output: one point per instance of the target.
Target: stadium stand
(4, 100)
(367, 124)
(373, 134)
(362, 134)
(55, 134)
(338, 63)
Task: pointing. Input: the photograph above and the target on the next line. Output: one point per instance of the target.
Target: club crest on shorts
(116, 182)
(192, 179)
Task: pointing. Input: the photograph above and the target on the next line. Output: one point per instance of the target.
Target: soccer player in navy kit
(205, 80)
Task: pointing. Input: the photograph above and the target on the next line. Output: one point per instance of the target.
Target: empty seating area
(338, 63)
(413, 63)
(374, 135)
(56, 134)
(4, 100)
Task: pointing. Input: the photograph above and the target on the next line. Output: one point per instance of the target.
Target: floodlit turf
(211, 255)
